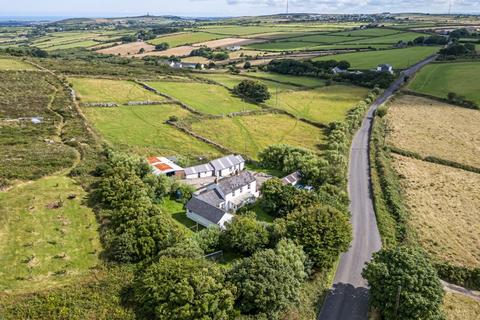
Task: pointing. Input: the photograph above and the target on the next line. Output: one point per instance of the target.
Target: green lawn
(439, 79)
(42, 247)
(178, 213)
(323, 105)
(308, 82)
(15, 64)
(251, 134)
(106, 90)
(183, 38)
(204, 97)
(142, 129)
(398, 58)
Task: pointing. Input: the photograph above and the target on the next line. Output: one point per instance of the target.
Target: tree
(322, 231)
(254, 90)
(343, 65)
(142, 50)
(187, 248)
(162, 46)
(245, 234)
(269, 280)
(247, 65)
(209, 238)
(183, 289)
(404, 277)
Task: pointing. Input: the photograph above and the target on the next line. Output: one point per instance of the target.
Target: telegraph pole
(287, 6)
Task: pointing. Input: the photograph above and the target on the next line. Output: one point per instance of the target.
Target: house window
(234, 193)
(199, 175)
(248, 187)
(241, 189)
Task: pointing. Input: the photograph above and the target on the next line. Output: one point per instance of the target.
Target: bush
(253, 90)
(322, 231)
(162, 46)
(183, 289)
(245, 234)
(269, 280)
(407, 276)
(208, 239)
(462, 276)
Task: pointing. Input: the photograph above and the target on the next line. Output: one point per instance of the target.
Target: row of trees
(209, 53)
(458, 50)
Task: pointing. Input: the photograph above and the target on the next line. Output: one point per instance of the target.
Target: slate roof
(212, 197)
(205, 210)
(199, 169)
(230, 184)
(292, 178)
(226, 162)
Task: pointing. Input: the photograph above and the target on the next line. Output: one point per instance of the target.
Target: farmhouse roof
(199, 169)
(205, 210)
(230, 184)
(385, 66)
(227, 162)
(212, 197)
(292, 178)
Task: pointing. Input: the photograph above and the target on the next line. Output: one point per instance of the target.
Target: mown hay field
(14, 64)
(398, 58)
(91, 90)
(42, 246)
(204, 97)
(126, 49)
(433, 128)
(439, 79)
(183, 38)
(443, 203)
(251, 134)
(142, 130)
(459, 307)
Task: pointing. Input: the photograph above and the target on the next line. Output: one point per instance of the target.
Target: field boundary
(439, 99)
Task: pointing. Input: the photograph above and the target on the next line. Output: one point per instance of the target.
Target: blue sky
(98, 8)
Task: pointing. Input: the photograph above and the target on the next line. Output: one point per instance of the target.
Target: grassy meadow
(439, 79)
(41, 246)
(106, 90)
(251, 134)
(443, 204)
(459, 307)
(231, 81)
(432, 128)
(183, 38)
(7, 64)
(142, 130)
(398, 58)
(323, 105)
(204, 97)
(300, 81)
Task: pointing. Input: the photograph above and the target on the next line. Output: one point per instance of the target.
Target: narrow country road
(348, 299)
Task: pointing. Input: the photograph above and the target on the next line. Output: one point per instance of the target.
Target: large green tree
(404, 285)
(323, 232)
(245, 234)
(269, 280)
(253, 90)
(183, 289)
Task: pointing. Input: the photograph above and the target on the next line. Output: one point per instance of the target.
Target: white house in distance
(385, 68)
(222, 167)
(215, 204)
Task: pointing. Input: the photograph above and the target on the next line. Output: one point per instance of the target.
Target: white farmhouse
(385, 68)
(215, 204)
(222, 167)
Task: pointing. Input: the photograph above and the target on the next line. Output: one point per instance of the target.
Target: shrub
(253, 90)
(407, 276)
(208, 239)
(245, 234)
(162, 46)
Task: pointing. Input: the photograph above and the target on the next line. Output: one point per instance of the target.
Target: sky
(223, 8)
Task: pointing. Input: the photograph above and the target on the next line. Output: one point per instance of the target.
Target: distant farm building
(222, 167)
(233, 48)
(338, 70)
(215, 204)
(385, 68)
(292, 179)
(161, 165)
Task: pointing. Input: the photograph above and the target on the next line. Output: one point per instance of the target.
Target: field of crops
(323, 105)
(398, 58)
(204, 97)
(142, 130)
(106, 90)
(432, 128)
(251, 134)
(443, 203)
(442, 78)
(14, 64)
(43, 246)
(183, 38)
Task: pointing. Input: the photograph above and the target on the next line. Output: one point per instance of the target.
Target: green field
(391, 39)
(325, 38)
(204, 97)
(398, 58)
(183, 38)
(142, 129)
(323, 105)
(282, 46)
(105, 90)
(251, 134)
(14, 64)
(231, 81)
(373, 32)
(308, 82)
(442, 78)
(41, 247)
